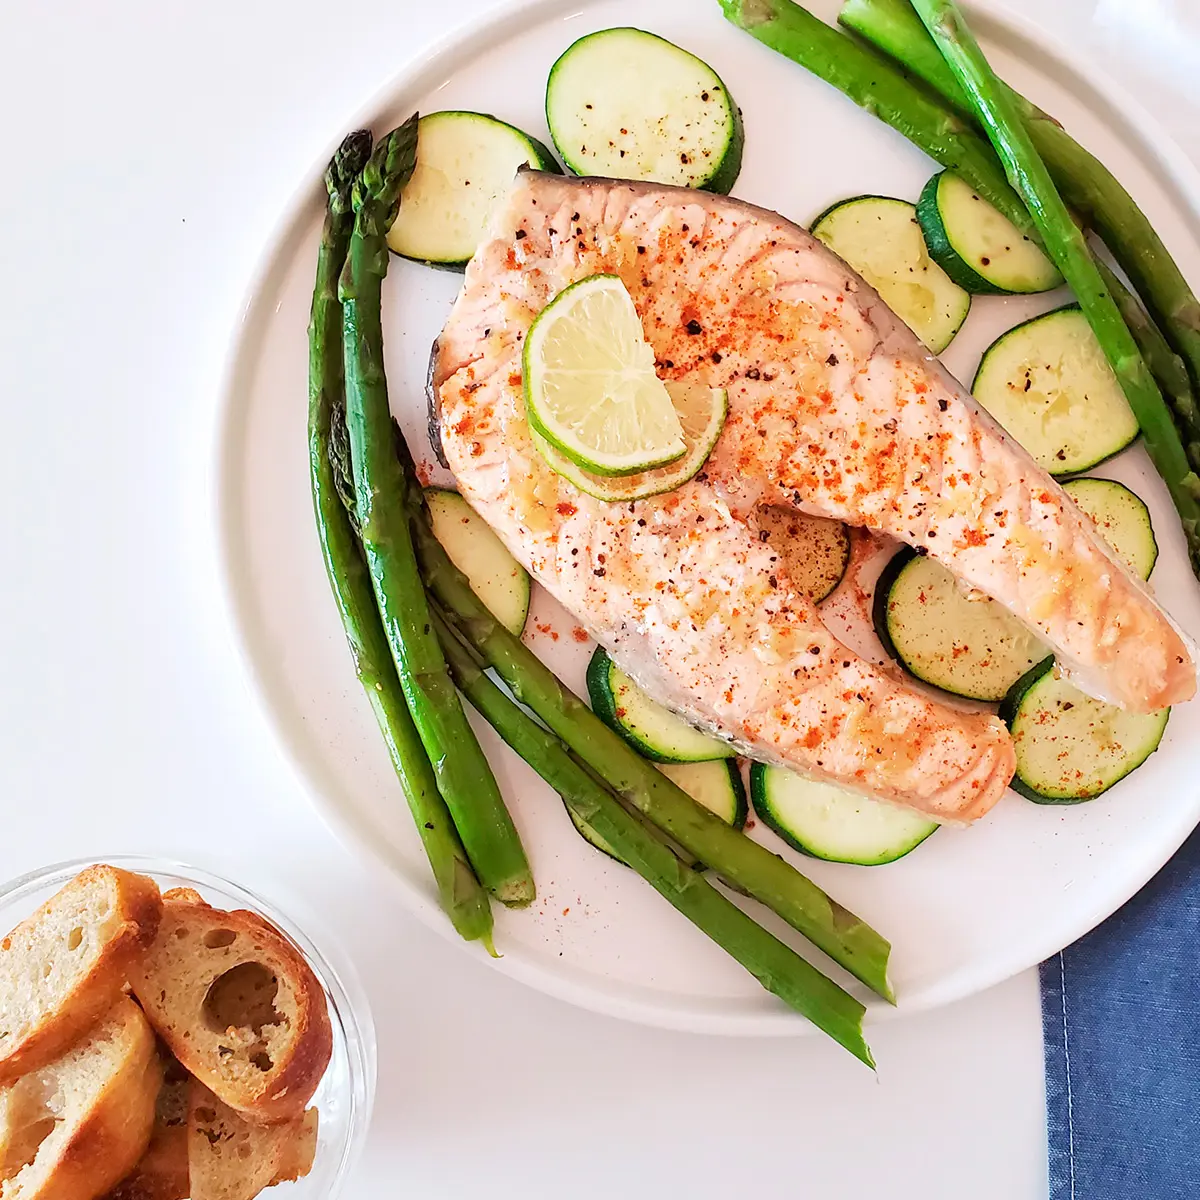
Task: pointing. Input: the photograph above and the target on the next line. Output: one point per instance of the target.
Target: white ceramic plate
(969, 907)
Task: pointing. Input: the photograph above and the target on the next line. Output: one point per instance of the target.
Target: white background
(148, 150)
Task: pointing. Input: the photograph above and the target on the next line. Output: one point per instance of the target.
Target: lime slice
(590, 386)
(701, 411)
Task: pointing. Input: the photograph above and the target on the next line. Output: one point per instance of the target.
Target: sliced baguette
(230, 1158)
(63, 968)
(162, 1172)
(73, 1128)
(238, 1006)
(301, 1150)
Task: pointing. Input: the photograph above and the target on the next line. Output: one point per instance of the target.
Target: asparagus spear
(776, 966)
(463, 900)
(881, 88)
(1165, 365)
(847, 939)
(855, 70)
(463, 775)
(1086, 183)
(1067, 245)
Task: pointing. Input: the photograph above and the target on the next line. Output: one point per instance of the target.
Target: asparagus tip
(347, 162)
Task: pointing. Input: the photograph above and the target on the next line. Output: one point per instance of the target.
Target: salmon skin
(836, 409)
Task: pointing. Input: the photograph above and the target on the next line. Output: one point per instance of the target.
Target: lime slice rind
(702, 412)
(591, 390)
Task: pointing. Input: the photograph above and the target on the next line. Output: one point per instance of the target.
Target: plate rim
(1133, 125)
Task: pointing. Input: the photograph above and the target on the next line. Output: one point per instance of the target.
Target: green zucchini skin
(876, 851)
(880, 238)
(1019, 711)
(681, 744)
(944, 216)
(423, 238)
(734, 810)
(972, 649)
(991, 387)
(1121, 517)
(593, 74)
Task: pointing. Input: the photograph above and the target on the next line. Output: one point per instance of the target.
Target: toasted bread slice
(238, 1006)
(63, 968)
(71, 1129)
(229, 1157)
(301, 1150)
(162, 1172)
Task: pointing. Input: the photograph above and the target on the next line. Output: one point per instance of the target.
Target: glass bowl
(347, 1091)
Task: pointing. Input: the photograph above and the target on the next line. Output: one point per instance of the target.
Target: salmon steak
(835, 409)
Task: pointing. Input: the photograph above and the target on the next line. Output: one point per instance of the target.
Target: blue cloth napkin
(1121, 1022)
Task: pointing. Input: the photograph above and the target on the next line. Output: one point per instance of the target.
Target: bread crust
(128, 929)
(93, 1148)
(162, 1171)
(198, 945)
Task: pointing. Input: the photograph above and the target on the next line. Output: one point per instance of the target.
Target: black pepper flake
(832, 361)
(932, 533)
(753, 373)
(814, 649)
(521, 234)
(943, 403)
(763, 535)
(574, 216)
(1028, 384)
(772, 581)
(846, 665)
(598, 572)
(641, 249)
(641, 522)
(552, 231)
(921, 550)
(693, 328)
(428, 824)
(716, 356)
(574, 550)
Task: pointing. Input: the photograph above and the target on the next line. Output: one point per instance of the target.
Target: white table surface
(149, 149)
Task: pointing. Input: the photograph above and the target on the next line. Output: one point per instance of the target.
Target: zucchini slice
(977, 246)
(497, 578)
(963, 643)
(630, 105)
(814, 551)
(1122, 518)
(465, 162)
(825, 821)
(1071, 748)
(881, 239)
(652, 730)
(1048, 383)
(716, 785)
